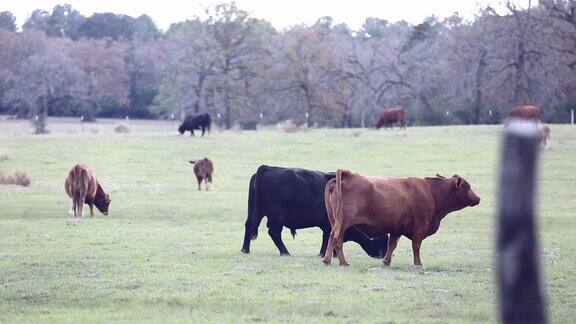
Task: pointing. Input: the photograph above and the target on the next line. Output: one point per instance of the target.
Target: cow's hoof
(386, 264)
(245, 251)
(326, 262)
(285, 254)
(344, 264)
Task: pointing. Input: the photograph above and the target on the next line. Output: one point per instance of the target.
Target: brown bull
(376, 206)
(390, 116)
(203, 169)
(82, 186)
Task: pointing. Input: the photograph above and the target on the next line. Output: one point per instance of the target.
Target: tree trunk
(478, 97)
(309, 105)
(227, 117)
(41, 115)
(429, 109)
(519, 75)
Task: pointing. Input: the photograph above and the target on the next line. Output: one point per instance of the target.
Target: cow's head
(181, 129)
(102, 200)
(462, 193)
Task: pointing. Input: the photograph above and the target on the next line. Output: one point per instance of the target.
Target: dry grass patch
(122, 128)
(17, 179)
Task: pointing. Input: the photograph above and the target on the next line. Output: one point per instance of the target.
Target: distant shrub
(5, 154)
(122, 128)
(288, 126)
(248, 125)
(18, 179)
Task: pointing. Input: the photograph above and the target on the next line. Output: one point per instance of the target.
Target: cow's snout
(475, 200)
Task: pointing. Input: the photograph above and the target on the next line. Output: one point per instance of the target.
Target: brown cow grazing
(524, 112)
(390, 116)
(203, 169)
(82, 186)
(544, 135)
(376, 206)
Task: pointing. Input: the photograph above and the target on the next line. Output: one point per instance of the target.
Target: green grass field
(169, 252)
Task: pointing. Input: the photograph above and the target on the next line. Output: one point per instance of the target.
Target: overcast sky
(281, 13)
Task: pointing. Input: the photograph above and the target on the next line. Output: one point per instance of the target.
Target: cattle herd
(346, 206)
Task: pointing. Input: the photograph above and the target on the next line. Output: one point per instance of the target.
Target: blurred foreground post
(521, 296)
(572, 117)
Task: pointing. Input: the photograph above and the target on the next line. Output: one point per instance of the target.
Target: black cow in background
(294, 198)
(192, 122)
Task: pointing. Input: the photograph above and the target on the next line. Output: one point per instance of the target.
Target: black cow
(192, 122)
(294, 198)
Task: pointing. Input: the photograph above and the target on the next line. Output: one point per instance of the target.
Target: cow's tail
(337, 211)
(79, 187)
(257, 213)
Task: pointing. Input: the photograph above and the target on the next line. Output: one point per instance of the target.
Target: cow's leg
(275, 232)
(247, 235)
(206, 183)
(392, 243)
(199, 179)
(416, 242)
(340, 251)
(203, 130)
(91, 210)
(329, 251)
(80, 206)
(192, 132)
(325, 238)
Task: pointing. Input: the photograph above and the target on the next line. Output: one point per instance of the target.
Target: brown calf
(390, 116)
(376, 206)
(82, 186)
(544, 134)
(203, 169)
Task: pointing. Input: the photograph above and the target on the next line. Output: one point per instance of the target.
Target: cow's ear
(192, 161)
(457, 181)
(440, 176)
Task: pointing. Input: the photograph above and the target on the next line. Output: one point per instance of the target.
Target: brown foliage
(18, 179)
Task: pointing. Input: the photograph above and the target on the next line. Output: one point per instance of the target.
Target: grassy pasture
(169, 252)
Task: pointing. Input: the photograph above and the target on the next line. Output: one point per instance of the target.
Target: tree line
(242, 69)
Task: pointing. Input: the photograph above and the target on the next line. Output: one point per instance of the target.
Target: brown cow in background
(376, 206)
(524, 112)
(390, 116)
(82, 186)
(203, 169)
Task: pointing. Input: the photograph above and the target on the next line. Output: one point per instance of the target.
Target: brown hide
(412, 207)
(544, 135)
(390, 116)
(82, 186)
(203, 170)
(525, 112)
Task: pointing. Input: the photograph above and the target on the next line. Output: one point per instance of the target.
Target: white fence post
(572, 117)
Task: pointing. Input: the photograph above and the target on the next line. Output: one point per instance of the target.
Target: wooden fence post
(519, 278)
